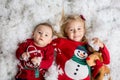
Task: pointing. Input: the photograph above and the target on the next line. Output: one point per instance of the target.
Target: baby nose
(42, 35)
(75, 31)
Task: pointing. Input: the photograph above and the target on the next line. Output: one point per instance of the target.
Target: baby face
(42, 35)
(75, 30)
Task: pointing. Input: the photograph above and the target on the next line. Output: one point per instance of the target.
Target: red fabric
(106, 60)
(105, 55)
(65, 51)
(64, 77)
(29, 75)
(97, 68)
(48, 56)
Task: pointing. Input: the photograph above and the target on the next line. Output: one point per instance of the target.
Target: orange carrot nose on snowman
(82, 54)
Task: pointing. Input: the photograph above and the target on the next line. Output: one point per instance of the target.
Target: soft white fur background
(18, 18)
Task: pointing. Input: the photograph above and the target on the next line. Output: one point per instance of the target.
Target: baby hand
(25, 56)
(97, 42)
(36, 61)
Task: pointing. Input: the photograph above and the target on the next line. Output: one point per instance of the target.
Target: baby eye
(71, 30)
(46, 35)
(40, 32)
(79, 28)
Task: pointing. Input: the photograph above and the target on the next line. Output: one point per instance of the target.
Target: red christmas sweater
(26, 68)
(71, 59)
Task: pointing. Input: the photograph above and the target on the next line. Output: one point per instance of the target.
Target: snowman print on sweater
(76, 68)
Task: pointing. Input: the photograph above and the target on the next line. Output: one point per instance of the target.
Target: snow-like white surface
(18, 18)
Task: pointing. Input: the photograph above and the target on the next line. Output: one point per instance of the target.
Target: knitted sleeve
(105, 55)
(48, 58)
(56, 42)
(21, 48)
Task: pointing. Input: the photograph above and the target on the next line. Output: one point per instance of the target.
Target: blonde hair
(67, 19)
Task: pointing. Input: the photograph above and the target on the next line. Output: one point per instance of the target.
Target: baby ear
(32, 35)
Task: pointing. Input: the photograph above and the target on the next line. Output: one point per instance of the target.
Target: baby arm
(21, 51)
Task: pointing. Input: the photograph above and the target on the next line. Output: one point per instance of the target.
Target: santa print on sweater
(71, 59)
(26, 68)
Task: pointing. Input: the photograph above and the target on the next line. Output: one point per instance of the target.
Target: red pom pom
(88, 58)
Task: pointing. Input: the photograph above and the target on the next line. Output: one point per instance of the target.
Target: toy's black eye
(84, 53)
(78, 51)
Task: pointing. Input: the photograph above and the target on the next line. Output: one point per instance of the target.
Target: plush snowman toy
(76, 68)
